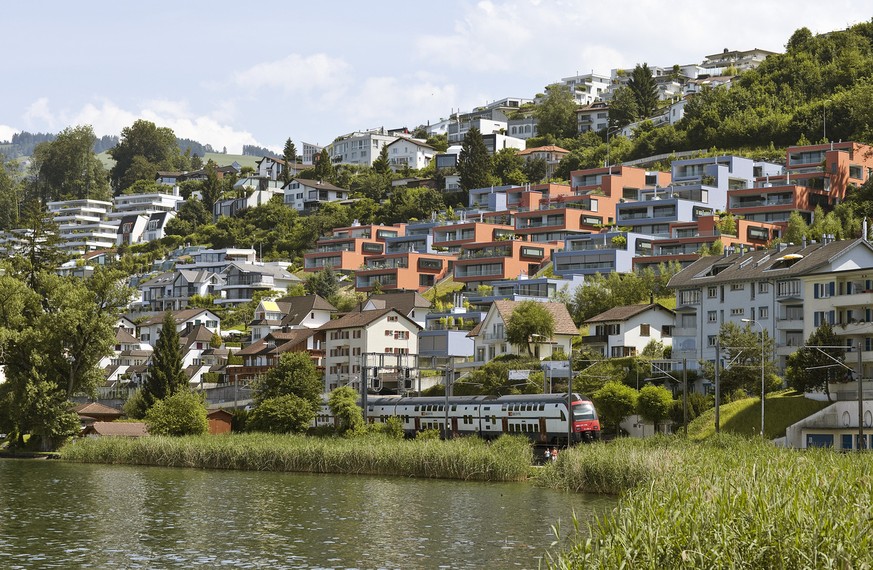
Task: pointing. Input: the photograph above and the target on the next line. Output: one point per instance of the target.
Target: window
(644, 329)
(738, 286)
(712, 292)
(737, 311)
(712, 316)
(763, 312)
(763, 287)
(712, 340)
(392, 318)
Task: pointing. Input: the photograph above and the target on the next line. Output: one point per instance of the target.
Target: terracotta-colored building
(617, 181)
(346, 249)
(687, 238)
(409, 270)
(453, 235)
(481, 263)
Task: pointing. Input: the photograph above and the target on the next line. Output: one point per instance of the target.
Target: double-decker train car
(541, 417)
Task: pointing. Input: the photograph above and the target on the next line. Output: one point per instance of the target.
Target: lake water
(62, 515)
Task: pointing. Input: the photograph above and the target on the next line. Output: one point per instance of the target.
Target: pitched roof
(178, 316)
(309, 183)
(122, 336)
(403, 301)
(546, 148)
(296, 309)
(360, 319)
(121, 429)
(791, 262)
(625, 312)
(93, 409)
(283, 341)
(199, 333)
(564, 324)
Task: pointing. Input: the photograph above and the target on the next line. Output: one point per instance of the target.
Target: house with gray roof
(787, 292)
(627, 330)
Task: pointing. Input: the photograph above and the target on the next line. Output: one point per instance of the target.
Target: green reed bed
(730, 503)
(507, 459)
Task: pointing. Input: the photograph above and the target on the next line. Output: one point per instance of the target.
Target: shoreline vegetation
(728, 502)
(469, 459)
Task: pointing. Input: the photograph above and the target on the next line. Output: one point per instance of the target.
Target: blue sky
(234, 73)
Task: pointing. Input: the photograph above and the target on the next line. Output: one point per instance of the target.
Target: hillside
(743, 417)
(218, 158)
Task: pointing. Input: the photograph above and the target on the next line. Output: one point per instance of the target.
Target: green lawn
(743, 417)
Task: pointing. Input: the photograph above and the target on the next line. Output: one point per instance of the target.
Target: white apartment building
(306, 195)
(359, 147)
(353, 336)
(84, 225)
(772, 288)
(131, 204)
(587, 88)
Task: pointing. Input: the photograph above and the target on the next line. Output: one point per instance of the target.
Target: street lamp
(762, 369)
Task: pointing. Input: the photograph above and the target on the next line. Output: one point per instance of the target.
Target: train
(541, 417)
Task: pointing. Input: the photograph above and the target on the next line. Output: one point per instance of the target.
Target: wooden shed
(220, 421)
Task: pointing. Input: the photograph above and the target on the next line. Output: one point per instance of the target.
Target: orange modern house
(816, 175)
(412, 271)
(686, 239)
(453, 235)
(346, 249)
(481, 263)
(617, 181)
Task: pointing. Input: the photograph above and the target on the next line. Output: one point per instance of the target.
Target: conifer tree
(645, 90)
(474, 164)
(165, 374)
(289, 154)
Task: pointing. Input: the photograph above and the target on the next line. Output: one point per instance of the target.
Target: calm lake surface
(64, 515)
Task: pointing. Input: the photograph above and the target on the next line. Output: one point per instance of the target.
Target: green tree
(623, 108)
(165, 375)
(507, 167)
(742, 348)
(381, 165)
(39, 252)
(324, 170)
(796, 229)
(614, 402)
(810, 369)
(654, 404)
(474, 164)
(344, 406)
(69, 169)
(323, 283)
(645, 90)
(182, 413)
(282, 414)
(406, 204)
(535, 169)
(556, 112)
(211, 189)
(289, 154)
(11, 192)
(143, 150)
(295, 374)
(529, 320)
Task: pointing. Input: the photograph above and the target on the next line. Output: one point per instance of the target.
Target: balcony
(492, 337)
(595, 339)
(792, 324)
(863, 299)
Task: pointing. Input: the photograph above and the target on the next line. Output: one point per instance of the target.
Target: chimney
(803, 242)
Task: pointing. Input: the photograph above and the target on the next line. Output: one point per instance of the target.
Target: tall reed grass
(729, 503)
(469, 458)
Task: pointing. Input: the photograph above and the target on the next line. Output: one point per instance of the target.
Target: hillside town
(428, 301)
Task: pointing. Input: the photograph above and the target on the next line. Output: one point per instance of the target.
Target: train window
(416, 408)
(563, 416)
(542, 407)
(454, 407)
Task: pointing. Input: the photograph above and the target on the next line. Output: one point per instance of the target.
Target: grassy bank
(469, 458)
(724, 503)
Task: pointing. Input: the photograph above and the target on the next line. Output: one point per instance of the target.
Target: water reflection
(58, 515)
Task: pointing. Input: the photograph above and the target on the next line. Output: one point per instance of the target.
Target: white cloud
(296, 74)
(38, 113)
(6, 132)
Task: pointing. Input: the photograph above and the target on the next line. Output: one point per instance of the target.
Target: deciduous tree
(529, 320)
(810, 369)
(295, 374)
(614, 402)
(654, 404)
(556, 112)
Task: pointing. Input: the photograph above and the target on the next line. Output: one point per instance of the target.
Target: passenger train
(541, 417)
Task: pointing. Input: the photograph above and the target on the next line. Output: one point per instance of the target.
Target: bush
(183, 413)
(428, 434)
(282, 414)
(343, 403)
(136, 407)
